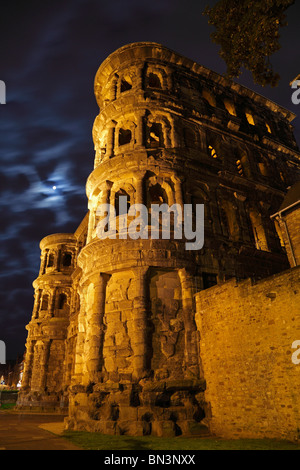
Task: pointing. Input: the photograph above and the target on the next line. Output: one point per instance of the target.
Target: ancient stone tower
(113, 337)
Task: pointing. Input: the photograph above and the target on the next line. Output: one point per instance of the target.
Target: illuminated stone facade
(113, 337)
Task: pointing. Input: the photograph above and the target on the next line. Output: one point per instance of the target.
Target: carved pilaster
(191, 343)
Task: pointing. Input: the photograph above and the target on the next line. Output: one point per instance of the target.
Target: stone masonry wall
(246, 333)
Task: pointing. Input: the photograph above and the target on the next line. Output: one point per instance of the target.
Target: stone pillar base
(157, 408)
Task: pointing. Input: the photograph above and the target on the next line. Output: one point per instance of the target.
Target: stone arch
(101, 141)
(156, 77)
(214, 146)
(159, 191)
(109, 92)
(67, 258)
(158, 131)
(50, 259)
(121, 189)
(124, 135)
(229, 106)
(101, 195)
(209, 97)
(125, 83)
(62, 300)
(243, 163)
(250, 117)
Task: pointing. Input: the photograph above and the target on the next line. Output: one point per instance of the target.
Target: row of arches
(143, 189)
(137, 130)
(243, 221)
(148, 77)
(239, 159)
(239, 219)
(156, 77)
(52, 303)
(56, 259)
(157, 132)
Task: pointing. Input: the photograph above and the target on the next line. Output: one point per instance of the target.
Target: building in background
(125, 334)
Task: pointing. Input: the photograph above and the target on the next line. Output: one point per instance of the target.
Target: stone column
(174, 136)
(28, 365)
(91, 221)
(110, 142)
(52, 300)
(58, 258)
(113, 89)
(138, 329)
(191, 335)
(37, 302)
(139, 192)
(140, 129)
(95, 330)
(79, 349)
(43, 262)
(43, 365)
(139, 79)
(178, 191)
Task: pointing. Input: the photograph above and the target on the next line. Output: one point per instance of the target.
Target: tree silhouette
(248, 33)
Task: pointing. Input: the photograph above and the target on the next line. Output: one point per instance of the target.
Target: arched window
(156, 135)
(214, 146)
(62, 300)
(249, 117)
(243, 166)
(45, 302)
(154, 80)
(157, 195)
(67, 259)
(212, 152)
(126, 84)
(268, 128)
(209, 97)
(120, 210)
(124, 136)
(230, 107)
(50, 260)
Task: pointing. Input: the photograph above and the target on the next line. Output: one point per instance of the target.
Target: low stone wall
(246, 336)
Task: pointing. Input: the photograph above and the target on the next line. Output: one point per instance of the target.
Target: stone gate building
(115, 338)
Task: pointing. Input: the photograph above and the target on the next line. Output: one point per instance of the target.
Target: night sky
(50, 53)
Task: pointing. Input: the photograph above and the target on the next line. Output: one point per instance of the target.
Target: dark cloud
(50, 52)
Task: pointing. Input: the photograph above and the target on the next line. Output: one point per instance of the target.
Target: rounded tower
(125, 351)
(137, 367)
(42, 383)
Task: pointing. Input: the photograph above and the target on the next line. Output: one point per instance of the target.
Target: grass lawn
(96, 441)
(7, 406)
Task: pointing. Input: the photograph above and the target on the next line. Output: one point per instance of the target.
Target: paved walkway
(24, 431)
